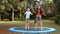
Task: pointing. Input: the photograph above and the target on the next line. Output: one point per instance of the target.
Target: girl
(38, 14)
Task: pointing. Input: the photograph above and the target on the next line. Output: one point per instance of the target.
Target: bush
(22, 19)
(19, 19)
(16, 19)
(57, 19)
(57, 11)
(59, 22)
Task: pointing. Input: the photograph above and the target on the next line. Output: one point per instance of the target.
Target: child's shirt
(27, 13)
(38, 14)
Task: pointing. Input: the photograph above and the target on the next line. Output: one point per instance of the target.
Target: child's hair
(28, 7)
(39, 9)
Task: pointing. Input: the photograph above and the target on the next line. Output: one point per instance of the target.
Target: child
(38, 13)
(27, 16)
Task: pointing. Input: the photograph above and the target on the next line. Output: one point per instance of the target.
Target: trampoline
(45, 30)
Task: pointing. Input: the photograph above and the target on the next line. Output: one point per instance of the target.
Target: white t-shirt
(27, 14)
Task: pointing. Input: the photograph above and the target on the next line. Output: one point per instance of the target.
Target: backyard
(46, 23)
(12, 14)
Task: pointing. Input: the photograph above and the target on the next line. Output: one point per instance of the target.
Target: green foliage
(49, 3)
(2, 7)
(11, 1)
(57, 20)
(8, 6)
(57, 17)
(16, 19)
(19, 19)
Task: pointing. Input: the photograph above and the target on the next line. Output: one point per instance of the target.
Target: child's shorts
(27, 20)
(38, 19)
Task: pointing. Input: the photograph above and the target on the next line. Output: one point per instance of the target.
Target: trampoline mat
(31, 29)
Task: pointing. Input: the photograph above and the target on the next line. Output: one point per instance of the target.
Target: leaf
(2, 7)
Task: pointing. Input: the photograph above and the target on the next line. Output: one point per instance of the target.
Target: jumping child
(38, 16)
(27, 16)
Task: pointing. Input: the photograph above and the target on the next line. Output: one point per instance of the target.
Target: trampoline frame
(27, 31)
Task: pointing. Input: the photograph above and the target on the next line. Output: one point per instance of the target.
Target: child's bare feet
(41, 28)
(25, 27)
(35, 28)
(28, 27)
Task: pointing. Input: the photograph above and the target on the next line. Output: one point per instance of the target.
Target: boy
(27, 16)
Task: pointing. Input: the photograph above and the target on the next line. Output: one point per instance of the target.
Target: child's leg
(41, 24)
(40, 20)
(36, 24)
(26, 23)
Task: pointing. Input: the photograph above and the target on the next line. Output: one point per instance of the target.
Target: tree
(2, 8)
(49, 5)
(12, 5)
(57, 11)
(20, 6)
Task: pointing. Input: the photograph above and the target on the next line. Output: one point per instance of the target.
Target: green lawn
(46, 23)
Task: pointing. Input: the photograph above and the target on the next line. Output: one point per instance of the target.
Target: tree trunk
(20, 14)
(13, 14)
(0, 17)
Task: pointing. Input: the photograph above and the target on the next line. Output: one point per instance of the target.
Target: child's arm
(31, 13)
(34, 12)
(25, 12)
(43, 12)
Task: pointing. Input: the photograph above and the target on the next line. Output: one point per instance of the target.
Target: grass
(46, 23)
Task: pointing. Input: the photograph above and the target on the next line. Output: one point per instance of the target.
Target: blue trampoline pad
(32, 30)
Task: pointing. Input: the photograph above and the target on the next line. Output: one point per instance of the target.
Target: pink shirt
(38, 14)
